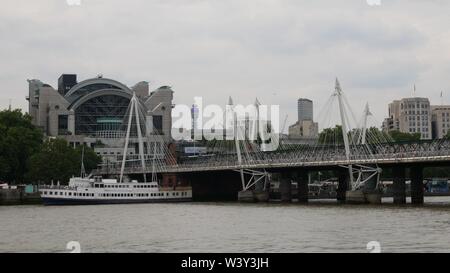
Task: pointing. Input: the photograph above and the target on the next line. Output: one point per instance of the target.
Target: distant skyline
(276, 50)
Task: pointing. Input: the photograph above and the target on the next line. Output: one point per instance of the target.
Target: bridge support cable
(360, 174)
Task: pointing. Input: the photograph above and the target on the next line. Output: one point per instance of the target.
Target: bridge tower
(255, 177)
(134, 111)
(358, 175)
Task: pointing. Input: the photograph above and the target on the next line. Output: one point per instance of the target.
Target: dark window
(158, 124)
(63, 124)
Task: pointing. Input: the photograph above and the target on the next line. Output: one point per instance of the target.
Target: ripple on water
(227, 227)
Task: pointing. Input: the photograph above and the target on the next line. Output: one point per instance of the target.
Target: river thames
(228, 227)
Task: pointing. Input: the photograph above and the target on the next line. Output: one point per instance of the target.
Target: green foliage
(19, 139)
(57, 161)
(91, 159)
(331, 136)
(398, 136)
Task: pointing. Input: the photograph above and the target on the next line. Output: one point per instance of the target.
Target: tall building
(66, 82)
(410, 115)
(305, 127)
(305, 109)
(440, 120)
(195, 111)
(93, 111)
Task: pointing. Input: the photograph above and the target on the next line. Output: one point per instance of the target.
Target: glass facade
(101, 116)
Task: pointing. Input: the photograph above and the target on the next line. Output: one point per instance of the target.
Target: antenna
(10, 100)
(83, 171)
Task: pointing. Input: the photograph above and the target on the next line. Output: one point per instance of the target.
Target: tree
(91, 159)
(57, 161)
(398, 136)
(331, 136)
(19, 139)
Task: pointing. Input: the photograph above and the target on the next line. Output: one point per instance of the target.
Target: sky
(276, 50)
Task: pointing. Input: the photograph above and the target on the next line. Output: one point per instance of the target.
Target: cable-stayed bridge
(352, 146)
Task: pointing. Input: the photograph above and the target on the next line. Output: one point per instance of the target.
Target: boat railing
(53, 187)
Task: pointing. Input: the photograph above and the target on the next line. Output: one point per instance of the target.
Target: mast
(154, 176)
(83, 171)
(139, 132)
(345, 130)
(236, 140)
(127, 139)
(367, 113)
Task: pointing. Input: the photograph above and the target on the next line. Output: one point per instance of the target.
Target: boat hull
(72, 202)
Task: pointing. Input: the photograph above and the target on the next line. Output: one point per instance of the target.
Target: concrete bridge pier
(417, 185)
(303, 189)
(399, 185)
(285, 187)
(343, 185)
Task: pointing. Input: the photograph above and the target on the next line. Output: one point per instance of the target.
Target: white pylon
(367, 113)
(363, 173)
(134, 108)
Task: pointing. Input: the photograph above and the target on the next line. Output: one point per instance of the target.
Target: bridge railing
(313, 155)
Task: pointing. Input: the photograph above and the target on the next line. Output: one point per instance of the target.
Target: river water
(228, 227)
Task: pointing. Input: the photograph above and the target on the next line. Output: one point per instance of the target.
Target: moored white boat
(89, 191)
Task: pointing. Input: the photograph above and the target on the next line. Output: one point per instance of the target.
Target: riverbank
(19, 196)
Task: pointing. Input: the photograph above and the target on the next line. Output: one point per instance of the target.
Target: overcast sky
(277, 50)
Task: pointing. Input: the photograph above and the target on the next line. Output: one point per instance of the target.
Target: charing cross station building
(92, 112)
